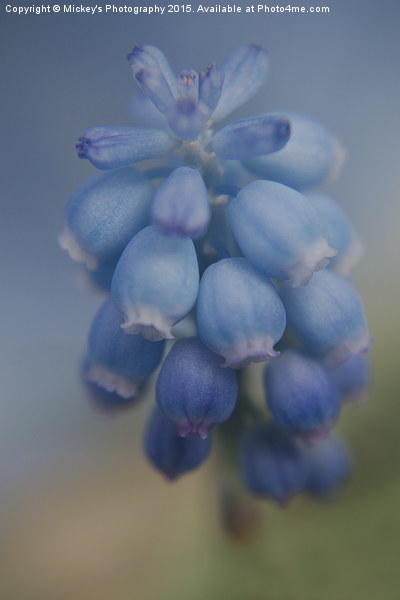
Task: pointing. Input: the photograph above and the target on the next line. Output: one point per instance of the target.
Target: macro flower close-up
(199, 337)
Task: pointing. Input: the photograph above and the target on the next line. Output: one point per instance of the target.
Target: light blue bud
(192, 390)
(155, 282)
(168, 451)
(119, 362)
(272, 464)
(312, 155)
(210, 85)
(251, 137)
(153, 73)
(327, 316)
(279, 231)
(301, 396)
(186, 118)
(245, 70)
(181, 204)
(112, 147)
(341, 234)
(104, 213)
(239, 315)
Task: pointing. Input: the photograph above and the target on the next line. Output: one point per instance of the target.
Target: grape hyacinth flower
(214, 234)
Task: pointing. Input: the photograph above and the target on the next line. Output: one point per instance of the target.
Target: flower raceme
(218, 239)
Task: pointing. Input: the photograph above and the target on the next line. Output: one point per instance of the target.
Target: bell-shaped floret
(272, 464)
(245, 70)
(312, 155)
(107, 403)
(104, 213)
(341, 233)
(155, 283)
(112, 147)
(279, 231)
(330, 465)
(170, 453)
(251, 137)
(119, 362)
(192, 390)
(327, 316)
(353, 377)
(151, 70)
(301, 396)
(181, 204)
(239, 314)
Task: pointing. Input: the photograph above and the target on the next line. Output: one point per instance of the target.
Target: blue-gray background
(82, 514)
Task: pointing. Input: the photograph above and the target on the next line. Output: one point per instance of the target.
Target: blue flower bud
(312, 155)
(192, 389)
(112, 147)
(186, 117)
(272, 464)
(352, 377)
(245, 70)
(168, 451)
(155, 283)
(210, 85)
(153, 73)
(181, 204)
(301, 396)
(330, 465)
(279, 231)
(104, 213)
(239, 314)
(251, 137)
(119, 362)
(341, 234)
(327, 316)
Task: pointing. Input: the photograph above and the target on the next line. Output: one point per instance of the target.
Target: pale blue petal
(245, 70)
(251, 137)
(112, 147)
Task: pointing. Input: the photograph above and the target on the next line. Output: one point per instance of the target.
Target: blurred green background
(82, 514)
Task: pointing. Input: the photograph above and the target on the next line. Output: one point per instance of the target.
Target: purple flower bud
(251, 137)
(301, 395)
(192, 389)
(112, 147)
(155, 283)
(168, 451)
(104, 213)
(312, 155)
(279, 231)
(181, 204)
(272, 464)
(245, 70)
(330, 465)
(119, 362)
(327, 316)
(239, 314)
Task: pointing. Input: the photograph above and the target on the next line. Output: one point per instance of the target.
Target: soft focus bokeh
(82, 514)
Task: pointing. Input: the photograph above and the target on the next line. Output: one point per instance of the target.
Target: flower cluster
(220, 244)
